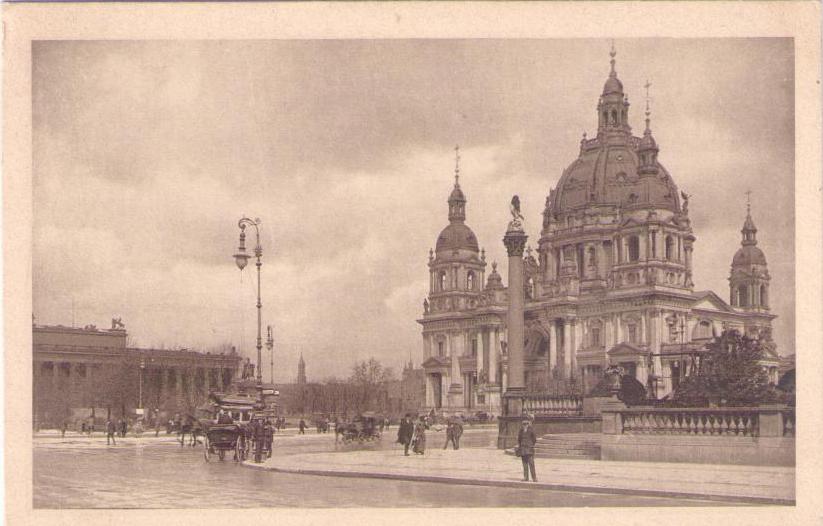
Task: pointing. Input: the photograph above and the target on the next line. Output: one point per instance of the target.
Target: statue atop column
(516, 224)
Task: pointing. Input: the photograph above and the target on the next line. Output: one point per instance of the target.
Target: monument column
(515, 241)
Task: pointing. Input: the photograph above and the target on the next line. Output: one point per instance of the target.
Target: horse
(189, 426)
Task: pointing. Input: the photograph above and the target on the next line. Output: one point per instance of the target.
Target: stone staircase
(569, 445)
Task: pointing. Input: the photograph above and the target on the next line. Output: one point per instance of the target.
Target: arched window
(441, 280)
(634, 248)
(764, 296)
(669, 248)
(594, 333)
(441, 348)
(470, 280)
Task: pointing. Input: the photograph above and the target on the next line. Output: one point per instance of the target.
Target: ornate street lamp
(242, 258)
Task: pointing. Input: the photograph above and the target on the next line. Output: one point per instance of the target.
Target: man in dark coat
(110, 432)
(405, 432)
(525, 443)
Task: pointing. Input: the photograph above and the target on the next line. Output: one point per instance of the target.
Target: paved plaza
(491, 467)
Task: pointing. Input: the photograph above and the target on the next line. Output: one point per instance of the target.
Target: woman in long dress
(420, 437)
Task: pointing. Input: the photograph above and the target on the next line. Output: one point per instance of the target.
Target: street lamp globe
(241, 258)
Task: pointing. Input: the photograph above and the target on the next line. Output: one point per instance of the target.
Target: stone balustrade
(763, 435)
(667, 421)
(545, 404)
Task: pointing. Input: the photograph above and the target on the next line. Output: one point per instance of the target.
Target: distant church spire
(301, 370)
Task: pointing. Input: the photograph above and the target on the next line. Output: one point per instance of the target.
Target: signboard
(270, 392)
(139, 411)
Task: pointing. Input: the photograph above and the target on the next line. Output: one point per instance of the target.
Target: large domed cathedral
(610, 283)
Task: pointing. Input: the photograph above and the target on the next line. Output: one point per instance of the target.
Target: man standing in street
(405, 432)
(525, 445)
(302, 426)
(110, 432)
(457, 432)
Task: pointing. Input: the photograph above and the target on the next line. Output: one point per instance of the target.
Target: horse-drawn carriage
(364, 428)
(220, 438)
(234, 424)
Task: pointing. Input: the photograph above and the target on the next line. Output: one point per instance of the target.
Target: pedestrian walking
(124, 426)
(449, 435)
(525, 449)
(302, 426)
(457, 432)
(63, 430)
(110, 432)
(419, 440)
(405, 432)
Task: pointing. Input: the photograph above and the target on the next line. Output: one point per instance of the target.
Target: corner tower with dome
(612, 283)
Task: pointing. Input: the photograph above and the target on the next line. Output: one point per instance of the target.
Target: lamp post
(270, 347)
(142, 367)
(242, 258)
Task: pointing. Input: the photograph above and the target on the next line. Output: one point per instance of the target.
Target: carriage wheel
(206, 449)
(239, 455)
(221, 454)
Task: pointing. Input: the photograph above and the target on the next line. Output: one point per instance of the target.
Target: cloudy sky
(147, 153)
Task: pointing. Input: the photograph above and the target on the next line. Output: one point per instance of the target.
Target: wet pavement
(83, 472)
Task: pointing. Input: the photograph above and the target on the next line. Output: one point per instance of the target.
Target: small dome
(457, 236)
(647, 142)
(749, 255)
(457, 194)
(612, 86)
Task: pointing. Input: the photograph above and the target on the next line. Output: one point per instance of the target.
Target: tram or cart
(221, 438)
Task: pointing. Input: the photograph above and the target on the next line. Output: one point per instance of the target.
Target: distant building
(610, 282)
(76, 371)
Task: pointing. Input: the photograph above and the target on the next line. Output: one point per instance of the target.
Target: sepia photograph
(463, 272)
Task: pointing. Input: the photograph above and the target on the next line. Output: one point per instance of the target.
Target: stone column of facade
(481, 349)
(429, 391)
(687, 245)
(178, 385)
(568, 337)
(515, 241)
(164, 380)
(494, 356)
(553, 335)
(577, 342)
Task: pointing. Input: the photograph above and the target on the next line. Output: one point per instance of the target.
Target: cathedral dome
(457, 236)
(608, 174)
(748, 255)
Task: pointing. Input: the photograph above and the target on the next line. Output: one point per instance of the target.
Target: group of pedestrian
(412, 434)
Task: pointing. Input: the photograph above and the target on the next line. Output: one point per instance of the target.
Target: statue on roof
(685, 207)
(117, 324)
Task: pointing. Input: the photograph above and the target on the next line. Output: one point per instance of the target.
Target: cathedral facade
(610, 283)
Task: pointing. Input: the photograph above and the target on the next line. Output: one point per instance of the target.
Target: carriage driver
(223, 417)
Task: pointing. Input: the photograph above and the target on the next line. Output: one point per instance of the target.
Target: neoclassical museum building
(610, 282)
